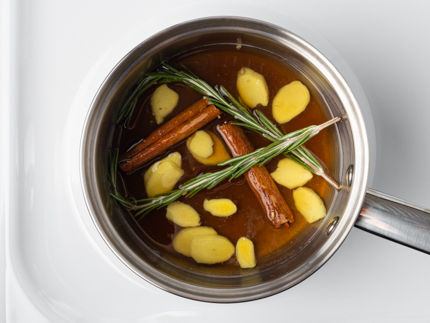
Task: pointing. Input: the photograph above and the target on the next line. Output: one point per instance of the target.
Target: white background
(54, 267)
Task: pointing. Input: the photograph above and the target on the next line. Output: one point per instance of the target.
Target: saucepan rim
(356, 191)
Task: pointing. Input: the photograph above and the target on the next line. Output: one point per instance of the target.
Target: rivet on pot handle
(396, 220)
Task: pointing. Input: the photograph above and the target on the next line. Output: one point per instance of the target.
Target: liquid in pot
(220, 67)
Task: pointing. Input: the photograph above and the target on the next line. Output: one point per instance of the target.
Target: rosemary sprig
(128, 107)
(112, 177)
(218, 95)
(257, 121)
(236, 167)
(301, 154)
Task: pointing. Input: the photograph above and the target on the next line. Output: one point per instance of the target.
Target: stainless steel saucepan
(353, 205)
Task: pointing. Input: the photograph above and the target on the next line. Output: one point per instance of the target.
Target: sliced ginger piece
(201, 144)
(245, 253)
(290, 174)
(182, 241)
(219, 155)
(220, 207)
(163, 101)
(290, 101)
(211, 249)
(182, 214)
(309, 204)
(252, 87)
(163, 179)
(163, 175)
(175, 157)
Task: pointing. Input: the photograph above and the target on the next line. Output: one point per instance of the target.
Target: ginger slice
(182, 241)
(252, 87)
(163, 175)
(201, 144)
(245, 253)
(175, 157)
(290, 174)
(182, 214)
(309, 204)
(290, 101)
(220, 207)
(163, 101)
(211, 249)
(219, 155)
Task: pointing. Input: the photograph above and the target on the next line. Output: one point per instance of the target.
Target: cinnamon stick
(258, 178)
(171, 138)
(167, 127)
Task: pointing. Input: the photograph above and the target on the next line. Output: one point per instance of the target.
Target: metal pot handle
(396, 220)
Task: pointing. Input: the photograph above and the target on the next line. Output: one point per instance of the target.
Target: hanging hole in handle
(332, 225)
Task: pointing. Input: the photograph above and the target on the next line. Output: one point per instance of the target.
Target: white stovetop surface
(54, 267)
